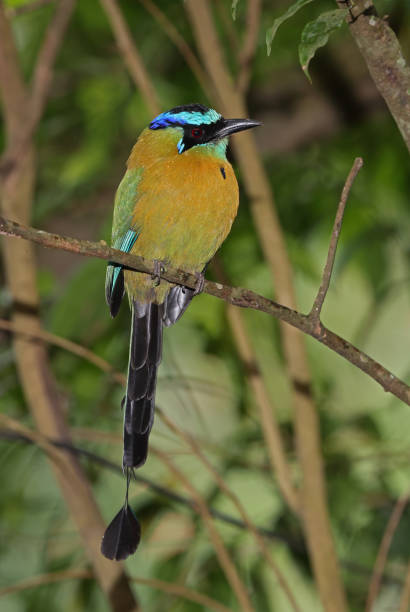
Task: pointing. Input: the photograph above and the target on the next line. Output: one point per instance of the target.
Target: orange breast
(185, 209)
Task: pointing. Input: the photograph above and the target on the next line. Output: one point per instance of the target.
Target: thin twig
(84, 353)
(247, 54)
(181, 44)
(385, 544)
(34, 436)
(84, 574)
(43, 72)
(88, 434)
(221, 551)
(182, 591)
(327, 272)
(237, 296)
(93, 435)
(130, 54)
(68, 345)
(236, 502)
(49, 578)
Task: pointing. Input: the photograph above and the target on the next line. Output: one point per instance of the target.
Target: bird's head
(199, 126)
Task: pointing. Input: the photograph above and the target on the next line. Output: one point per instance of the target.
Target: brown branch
(43, 71)
(84, 574)
(327, 272)
(316, 519)
(267, 411)
(382, 53)
(221, 551)
(236, 502)
(385, 544)
(50, 578)
(130, 55)
(37, 381)
(236, 296)
(247, 54)
(67, 345)
(183, 591)
(181, 44)
(41, 84)
(84, 353)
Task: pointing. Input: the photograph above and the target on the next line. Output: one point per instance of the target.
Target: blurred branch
(28, 7)
(385, 544)
(270, 427)
(84, 574)
(43, 70)
(20, 266)
(405, 595)
(130, 54)
(223, 555)
(41, 82)
(236, 502)
(68, 345)
(181, 44)
(50, 578)
(382, 53)
(250, 43)
(327, 272)
(84, 353)
(14, 432)
(256, 182)
(19, 433)
(237, 296)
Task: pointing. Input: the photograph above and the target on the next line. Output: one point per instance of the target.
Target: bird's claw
(158, 270)
(200, 284)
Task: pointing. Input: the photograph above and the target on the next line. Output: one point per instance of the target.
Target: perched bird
(175, 205)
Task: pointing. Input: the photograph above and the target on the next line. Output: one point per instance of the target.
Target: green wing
(123, 235)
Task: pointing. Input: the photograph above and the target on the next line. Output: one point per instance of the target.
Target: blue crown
(190, 114)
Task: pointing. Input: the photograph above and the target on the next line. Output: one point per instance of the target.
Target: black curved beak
(230, 126)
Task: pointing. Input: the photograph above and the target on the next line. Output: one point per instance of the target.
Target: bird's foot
(158, 270)
(199, 284)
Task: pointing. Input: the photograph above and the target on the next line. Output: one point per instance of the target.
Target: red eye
(197, 132)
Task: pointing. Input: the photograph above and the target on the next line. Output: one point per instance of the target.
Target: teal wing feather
(123, 235)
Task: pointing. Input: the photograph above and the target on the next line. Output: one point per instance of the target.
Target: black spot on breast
(222, 169)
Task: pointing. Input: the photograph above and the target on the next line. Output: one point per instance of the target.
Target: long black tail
(139, 401)
(122, 535)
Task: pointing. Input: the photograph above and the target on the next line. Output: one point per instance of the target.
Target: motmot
(175, 205)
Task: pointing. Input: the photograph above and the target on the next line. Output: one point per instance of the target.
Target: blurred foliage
(92, 119)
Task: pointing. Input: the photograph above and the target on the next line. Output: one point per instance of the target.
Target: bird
(175, 206)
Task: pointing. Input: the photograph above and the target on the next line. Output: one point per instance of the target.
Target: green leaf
(316, 34)
(270, 34)
(234, 7)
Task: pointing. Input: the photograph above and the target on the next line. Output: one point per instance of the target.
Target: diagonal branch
(179, 41)
(327, 272)
(250, 43)
(385, 544)
(130, 54)
(237, 296)
(222, 553)
(236, 502)
(267, 410)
